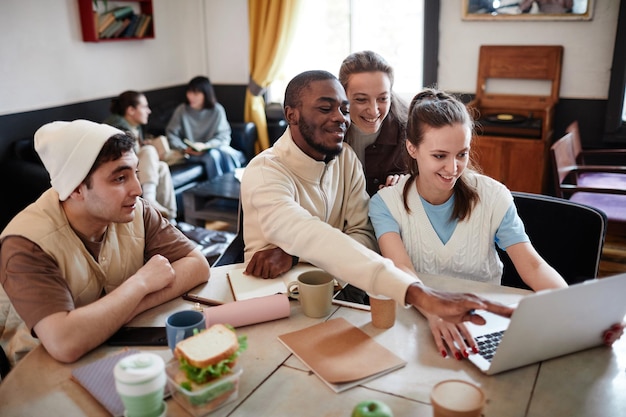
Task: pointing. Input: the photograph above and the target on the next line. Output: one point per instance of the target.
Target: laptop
(550, 323)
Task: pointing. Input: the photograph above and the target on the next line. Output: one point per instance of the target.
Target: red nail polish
(444, 353)
(466, 353)
(475, 349)
(457, 355)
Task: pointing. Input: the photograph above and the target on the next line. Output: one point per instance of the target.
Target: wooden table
(275, 383)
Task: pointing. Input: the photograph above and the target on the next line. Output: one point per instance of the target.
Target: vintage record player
(510, 124)
(514, 131)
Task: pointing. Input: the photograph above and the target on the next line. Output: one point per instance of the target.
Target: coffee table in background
(214, 200)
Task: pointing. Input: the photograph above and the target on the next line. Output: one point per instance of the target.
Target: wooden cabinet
(517, 163)
(140, 16)
(514, 132)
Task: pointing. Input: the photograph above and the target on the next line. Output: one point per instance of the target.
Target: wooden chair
(568, 235)
(595, 158)
(567, 174)
(586, 156)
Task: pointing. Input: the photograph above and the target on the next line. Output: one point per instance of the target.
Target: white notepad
(245, 287)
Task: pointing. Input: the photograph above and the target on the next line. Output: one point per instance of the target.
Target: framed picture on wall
(527, 9)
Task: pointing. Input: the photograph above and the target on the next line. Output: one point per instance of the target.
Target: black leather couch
(29, 178)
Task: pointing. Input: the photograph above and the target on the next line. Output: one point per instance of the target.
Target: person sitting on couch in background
(305, 198)
(129, 111)
(200, 130)
(89, 255)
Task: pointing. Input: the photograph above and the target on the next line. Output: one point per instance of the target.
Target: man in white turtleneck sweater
(305, 199)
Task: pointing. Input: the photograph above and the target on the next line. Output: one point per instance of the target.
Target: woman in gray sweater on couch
(199, 129)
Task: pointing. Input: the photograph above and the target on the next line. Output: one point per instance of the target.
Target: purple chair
(595, 162)
(593, 192)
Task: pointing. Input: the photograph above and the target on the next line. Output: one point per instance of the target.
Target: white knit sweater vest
(470, 252)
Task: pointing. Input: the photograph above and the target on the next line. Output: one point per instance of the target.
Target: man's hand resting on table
(269, 263)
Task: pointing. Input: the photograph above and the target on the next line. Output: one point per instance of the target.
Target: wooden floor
(613, 259)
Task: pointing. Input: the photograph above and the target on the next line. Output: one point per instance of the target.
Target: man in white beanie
(89, 254)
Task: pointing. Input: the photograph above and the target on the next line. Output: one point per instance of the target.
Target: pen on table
(202, 300)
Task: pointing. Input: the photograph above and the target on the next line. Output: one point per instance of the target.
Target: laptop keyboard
(488, 343)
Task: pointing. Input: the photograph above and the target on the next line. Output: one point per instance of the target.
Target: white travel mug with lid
(140, 380)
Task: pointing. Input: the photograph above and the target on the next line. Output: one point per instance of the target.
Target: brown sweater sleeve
(164, 239)
(32, 280)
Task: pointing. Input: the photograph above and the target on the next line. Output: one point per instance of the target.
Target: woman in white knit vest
(445, 217)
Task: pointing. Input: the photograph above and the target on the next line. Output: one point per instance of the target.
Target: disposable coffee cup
(183, 324)
(314, 289)
(457, 398)
(383, 310)
(140, 381)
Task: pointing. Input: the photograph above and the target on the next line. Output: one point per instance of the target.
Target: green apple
(372, 408)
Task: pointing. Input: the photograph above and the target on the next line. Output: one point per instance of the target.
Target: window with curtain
(329, 30)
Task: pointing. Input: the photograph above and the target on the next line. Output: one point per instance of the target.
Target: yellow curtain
(271, 26)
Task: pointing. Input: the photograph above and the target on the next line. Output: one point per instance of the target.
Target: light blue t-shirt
(510, 231)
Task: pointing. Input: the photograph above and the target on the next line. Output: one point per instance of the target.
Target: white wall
(228, 41)
(45, 63)
(587, 57)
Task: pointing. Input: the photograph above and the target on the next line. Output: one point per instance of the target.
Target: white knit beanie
(68, 150)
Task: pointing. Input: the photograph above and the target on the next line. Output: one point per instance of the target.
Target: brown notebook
(340, 354)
